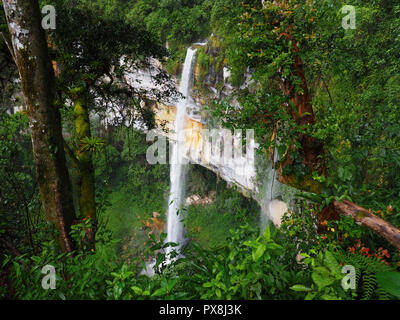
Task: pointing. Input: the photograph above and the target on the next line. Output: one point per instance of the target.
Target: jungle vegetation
(81, 196)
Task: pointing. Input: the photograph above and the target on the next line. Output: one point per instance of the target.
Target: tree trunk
(86, 179)
(312, 150)
(37, 82)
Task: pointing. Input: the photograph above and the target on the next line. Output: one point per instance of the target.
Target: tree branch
(368, 219)
(71, 154)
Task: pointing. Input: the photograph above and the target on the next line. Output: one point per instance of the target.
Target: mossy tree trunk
(312, 150)
(86, 180)
(37, 82)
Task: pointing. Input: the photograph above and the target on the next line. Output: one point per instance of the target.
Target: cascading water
(175, 228)
(272, 209)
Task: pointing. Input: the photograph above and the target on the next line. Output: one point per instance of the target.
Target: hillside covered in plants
(84, 213)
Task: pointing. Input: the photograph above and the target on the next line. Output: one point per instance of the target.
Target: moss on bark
(37, 82)
(86, 180)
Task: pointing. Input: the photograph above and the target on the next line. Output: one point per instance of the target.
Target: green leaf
(390, 282)
(137, 290)
(159, 292)
(322, 277)
(259, 252)
(267, 234)
(171, 284)
(332, 263)
(61, 295)
(273, 246)
(117, 291)
(310, 296)
(300, 287)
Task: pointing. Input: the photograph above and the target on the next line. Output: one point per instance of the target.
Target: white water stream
(175, 228)
(272, 209)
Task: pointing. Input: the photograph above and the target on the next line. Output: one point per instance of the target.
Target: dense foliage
(353, 84)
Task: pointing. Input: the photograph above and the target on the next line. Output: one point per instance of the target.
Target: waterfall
(265, 215)
(175, 228)
(272, 209)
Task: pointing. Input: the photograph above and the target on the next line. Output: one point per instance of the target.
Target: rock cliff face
(206, 140)
(214, 80)
(210, 148)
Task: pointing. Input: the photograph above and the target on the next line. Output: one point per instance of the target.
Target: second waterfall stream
(178, 170)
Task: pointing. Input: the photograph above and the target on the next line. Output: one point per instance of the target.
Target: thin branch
(71, 153)
(327, 90)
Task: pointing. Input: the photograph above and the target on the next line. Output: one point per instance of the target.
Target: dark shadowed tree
(30, 52)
